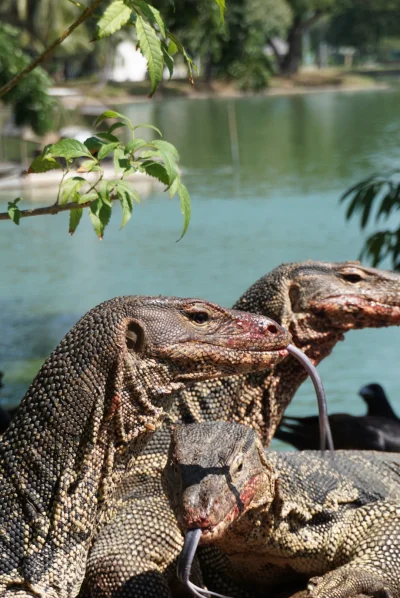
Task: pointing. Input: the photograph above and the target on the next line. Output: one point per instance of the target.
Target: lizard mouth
(211, 532)
(355, 311)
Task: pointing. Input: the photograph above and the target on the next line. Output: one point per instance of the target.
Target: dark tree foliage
(30, 101)
(379, 196)
(364, 23)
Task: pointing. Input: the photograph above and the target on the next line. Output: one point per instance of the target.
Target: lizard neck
(259, 399)
(63, 455)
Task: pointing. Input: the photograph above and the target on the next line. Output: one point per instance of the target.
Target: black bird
(378, 430)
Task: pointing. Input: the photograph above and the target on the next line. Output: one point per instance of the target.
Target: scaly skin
(318, 302)
(91, 408)
(273, 518)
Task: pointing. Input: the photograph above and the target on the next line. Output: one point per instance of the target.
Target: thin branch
(54, 209)
(274, 48)
(307, 24)
(15, 80)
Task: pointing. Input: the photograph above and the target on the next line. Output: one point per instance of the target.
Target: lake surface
(280, 204)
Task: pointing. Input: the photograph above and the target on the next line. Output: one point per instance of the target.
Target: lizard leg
(350, 580)
(134, 555)
(375, 567)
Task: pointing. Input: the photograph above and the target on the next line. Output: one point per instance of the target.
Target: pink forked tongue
(325, 434)
(184, 566)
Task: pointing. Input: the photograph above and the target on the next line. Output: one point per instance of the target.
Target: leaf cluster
(383, 192)
(157, 44)
(156, 158)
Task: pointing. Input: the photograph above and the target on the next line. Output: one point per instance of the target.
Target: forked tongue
(184, 565)
(192, 536)
(325, 434)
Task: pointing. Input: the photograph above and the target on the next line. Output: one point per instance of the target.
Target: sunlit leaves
(43, 163)
(150, 47)
(68, 149)
(185, 207)
(116, 15)
(74, 220)
(221, 4)
(70, 189)
(361, 199)
(156, 158)
(14, 211)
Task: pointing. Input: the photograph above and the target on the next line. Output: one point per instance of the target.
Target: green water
(297, 155)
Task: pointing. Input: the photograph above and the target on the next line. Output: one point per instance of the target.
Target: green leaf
(116, 125)
(221, 4)
(120, 162)
(126, 195)
(87, 165)
(104, 189)
(94, 144)
(368, 201)
(43, 164)
(356, 187)
(100, 214)
(152, 14)
(107, 137)
(168, 59)
(172, 47)
(68, 149)
(136, 144)
(150, 47)
(185, 207)
(13, 210)
(121, 186)
(148, 127)
(74, 219)
(88, 197)
(70, 189)
(157, 171)
(112, 114)
(169, 156)
(165, 146)
(107, 149)
(127, 208)
(116, 15)
(176, 43)
(150, 154)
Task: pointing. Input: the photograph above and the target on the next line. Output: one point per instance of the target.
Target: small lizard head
(199, 340)
(216, 472)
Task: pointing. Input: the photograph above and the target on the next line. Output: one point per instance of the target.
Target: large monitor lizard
(318, 302)
(96, 400)
(275, 518)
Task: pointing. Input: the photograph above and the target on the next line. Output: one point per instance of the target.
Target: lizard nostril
(272, 328)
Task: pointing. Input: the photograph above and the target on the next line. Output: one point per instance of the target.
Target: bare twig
(15, 80)
(53, 209)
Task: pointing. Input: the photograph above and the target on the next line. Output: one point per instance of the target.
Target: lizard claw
(348, 582)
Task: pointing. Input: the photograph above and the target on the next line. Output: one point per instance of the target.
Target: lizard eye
(352, 277)
(238, 466)
(200, 317)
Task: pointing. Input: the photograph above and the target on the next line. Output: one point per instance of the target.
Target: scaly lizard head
(338, 296)
(198, 340)
(216, 472)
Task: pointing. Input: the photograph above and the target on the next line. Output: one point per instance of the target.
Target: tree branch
(54, 209)
(275, 51)
(15, 80)
(306, 24)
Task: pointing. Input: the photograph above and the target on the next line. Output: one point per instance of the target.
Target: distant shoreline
(116, 93)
